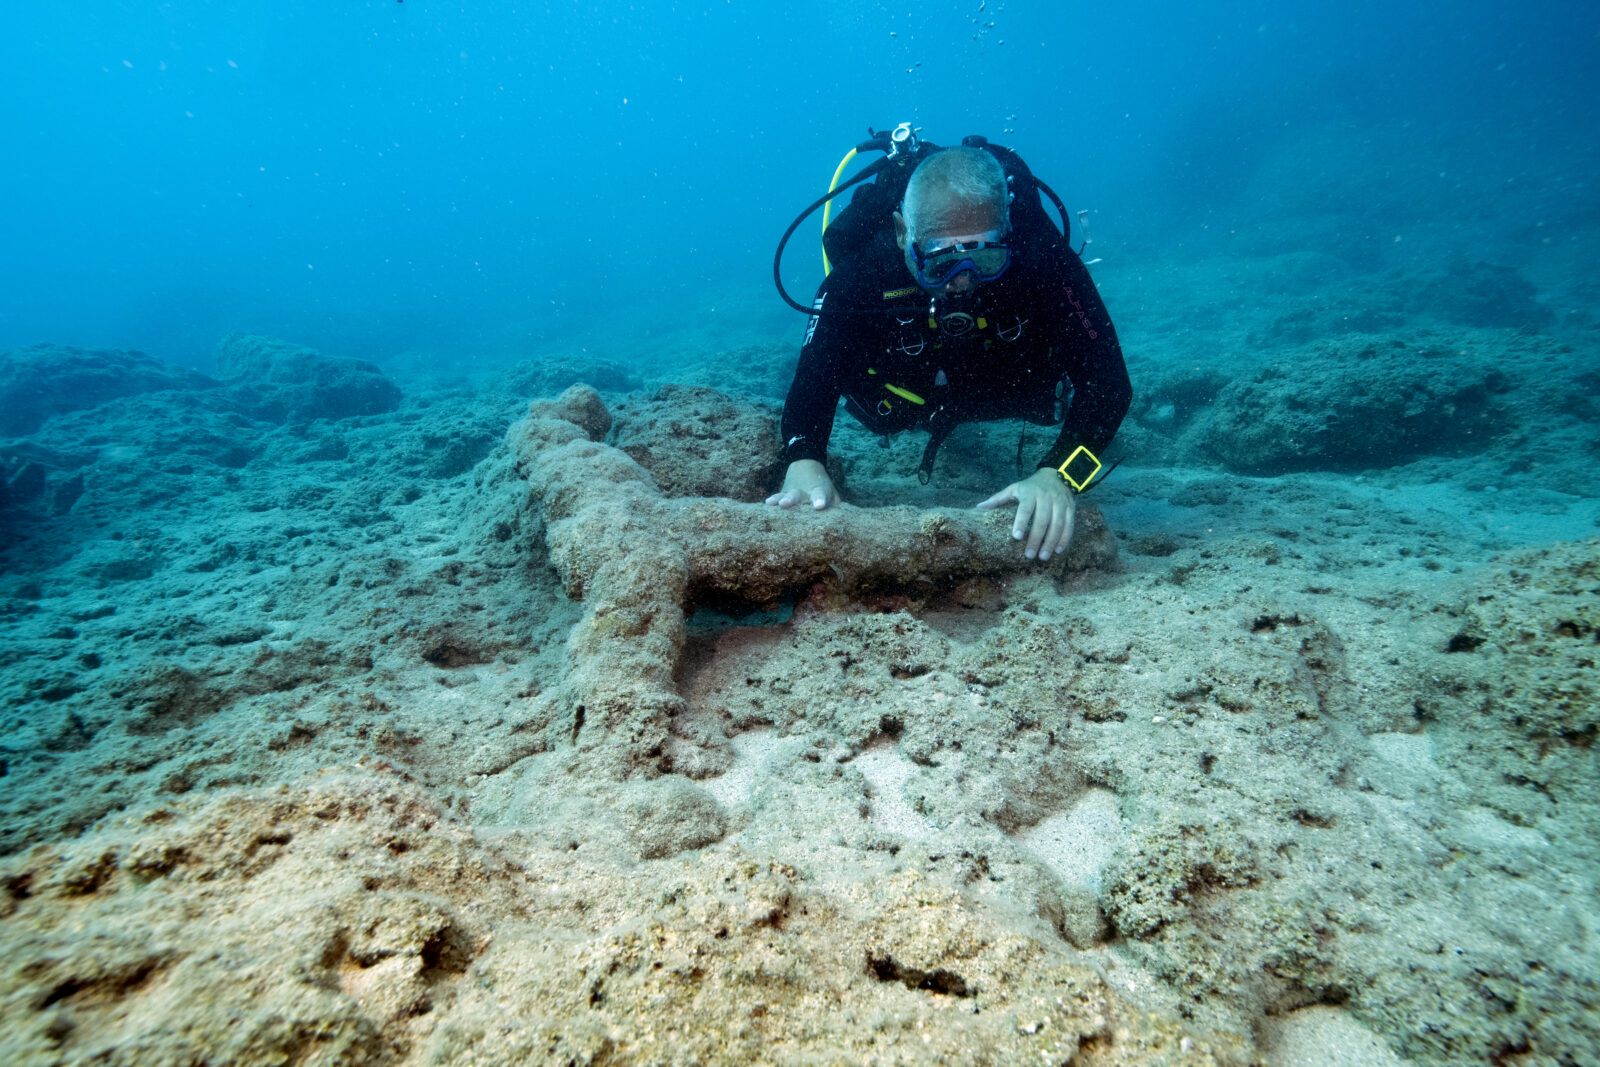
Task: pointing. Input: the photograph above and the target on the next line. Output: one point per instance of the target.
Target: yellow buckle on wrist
(1076, 483)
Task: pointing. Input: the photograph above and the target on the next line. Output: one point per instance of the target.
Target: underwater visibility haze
(398, 662)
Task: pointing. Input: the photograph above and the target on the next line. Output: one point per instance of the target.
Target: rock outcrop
(640, 560)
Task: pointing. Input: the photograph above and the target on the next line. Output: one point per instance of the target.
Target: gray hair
(950, 180)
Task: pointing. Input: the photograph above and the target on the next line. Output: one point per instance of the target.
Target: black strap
(1103, 475)
(938, 430)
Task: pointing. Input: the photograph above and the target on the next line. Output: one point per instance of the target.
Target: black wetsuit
(1035, 343)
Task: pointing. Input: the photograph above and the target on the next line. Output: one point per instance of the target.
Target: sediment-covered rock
(284, 382)
(295, 763)
(43, 381)
(1522, 663)
(550, 375)
(1358, 404)
(1471, 292)
(351, 920)
(639, 559)
(698, 442)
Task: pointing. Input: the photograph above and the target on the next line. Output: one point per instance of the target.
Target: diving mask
(934, 269)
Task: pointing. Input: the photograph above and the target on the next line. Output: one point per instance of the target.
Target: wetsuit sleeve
(1101, 390)
(813, 397)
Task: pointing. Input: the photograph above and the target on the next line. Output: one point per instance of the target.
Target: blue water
(377, 177)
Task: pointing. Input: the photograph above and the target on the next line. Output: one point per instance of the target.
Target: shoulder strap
(864, 228)
(1028, 215)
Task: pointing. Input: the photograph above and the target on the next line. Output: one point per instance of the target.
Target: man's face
(959, 224)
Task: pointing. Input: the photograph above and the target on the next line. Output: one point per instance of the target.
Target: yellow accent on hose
(906, 393)
(827, 209)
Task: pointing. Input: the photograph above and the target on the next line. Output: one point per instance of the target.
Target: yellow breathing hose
(827, 209)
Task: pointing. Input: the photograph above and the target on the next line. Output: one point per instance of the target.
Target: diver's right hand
(806, 479)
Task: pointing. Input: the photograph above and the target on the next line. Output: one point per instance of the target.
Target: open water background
(477, 181)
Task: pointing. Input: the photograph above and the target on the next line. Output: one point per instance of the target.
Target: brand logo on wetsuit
(1082, 318)
(812, 328)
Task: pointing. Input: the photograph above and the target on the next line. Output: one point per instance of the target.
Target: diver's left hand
(1046, 506)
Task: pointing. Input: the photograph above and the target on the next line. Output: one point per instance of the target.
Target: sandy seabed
(352, 723)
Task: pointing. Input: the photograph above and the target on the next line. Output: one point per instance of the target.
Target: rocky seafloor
(347, 721)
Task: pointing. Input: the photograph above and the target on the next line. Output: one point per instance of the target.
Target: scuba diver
(951, 296)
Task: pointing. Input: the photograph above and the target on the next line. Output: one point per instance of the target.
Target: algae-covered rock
(699, 442)
(42, 381)
(285, 382)
(1475, 293)
(640, 559)
(580, 405)
(1167, 866)
(670, 815)
(1522, 663)
(1358, 404)
(550, 375)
